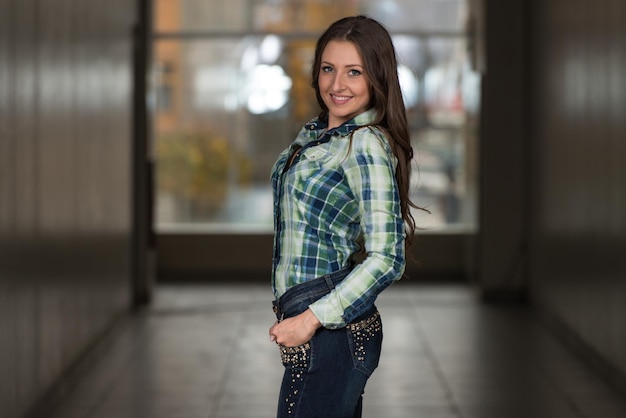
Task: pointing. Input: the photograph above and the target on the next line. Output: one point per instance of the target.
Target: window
(231, 81)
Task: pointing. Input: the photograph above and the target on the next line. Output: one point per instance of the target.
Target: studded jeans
(325, 377)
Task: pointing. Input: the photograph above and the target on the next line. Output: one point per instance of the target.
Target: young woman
(342, 222)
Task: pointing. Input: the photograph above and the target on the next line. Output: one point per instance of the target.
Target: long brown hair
(379, 59)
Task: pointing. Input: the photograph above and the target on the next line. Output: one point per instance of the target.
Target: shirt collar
(365, 118)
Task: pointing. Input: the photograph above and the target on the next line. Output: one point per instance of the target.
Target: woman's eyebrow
(348, 65)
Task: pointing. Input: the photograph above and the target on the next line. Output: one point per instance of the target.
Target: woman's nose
(338, 83)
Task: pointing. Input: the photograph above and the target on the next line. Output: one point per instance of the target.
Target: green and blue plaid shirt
(338, 195)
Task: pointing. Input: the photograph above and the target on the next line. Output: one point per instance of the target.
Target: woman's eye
(354, 72)
(327, 69)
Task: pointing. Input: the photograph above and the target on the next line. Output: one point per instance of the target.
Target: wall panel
(578, 171)
(500, 245)
(65, 186)
(8, 366)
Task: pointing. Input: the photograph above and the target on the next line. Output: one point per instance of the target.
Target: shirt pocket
(317, 154)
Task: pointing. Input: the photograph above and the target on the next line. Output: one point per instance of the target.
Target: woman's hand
(295, 331)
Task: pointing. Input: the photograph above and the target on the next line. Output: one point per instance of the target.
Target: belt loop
(329, 281)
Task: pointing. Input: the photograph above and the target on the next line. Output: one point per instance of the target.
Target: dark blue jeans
(325, 377)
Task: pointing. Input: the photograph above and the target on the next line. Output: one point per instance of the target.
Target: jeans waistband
(296, 300)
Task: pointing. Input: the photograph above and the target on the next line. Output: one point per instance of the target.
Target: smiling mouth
(340, 99)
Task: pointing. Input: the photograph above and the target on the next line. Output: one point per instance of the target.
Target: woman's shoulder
(370, 138)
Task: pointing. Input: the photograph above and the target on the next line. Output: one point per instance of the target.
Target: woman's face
(342, 82)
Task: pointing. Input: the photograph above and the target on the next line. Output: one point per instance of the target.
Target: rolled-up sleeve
(369, 169)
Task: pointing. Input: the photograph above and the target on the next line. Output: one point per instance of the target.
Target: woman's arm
(369, 169)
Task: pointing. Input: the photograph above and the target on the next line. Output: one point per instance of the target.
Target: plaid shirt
(339, 194)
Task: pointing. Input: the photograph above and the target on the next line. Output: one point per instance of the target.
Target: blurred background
(136, 139)
(231, 88)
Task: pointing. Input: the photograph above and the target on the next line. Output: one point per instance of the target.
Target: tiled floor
(202, 351)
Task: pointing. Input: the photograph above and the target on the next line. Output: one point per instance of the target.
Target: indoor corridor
(202, 351)
(137, 139)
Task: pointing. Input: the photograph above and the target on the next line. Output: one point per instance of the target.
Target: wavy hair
(379, 59)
